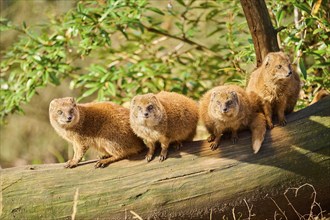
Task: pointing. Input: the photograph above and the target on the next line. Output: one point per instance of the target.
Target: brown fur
(320, 95)
(104, 126)
(166, 117)
(277, 85)
(229, 108)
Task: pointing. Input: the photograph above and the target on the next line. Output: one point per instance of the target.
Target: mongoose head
(146, 110)
(278, 66)
(64, 112)
(223, 104)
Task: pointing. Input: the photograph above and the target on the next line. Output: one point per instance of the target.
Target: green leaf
(303, 7)
(89, 92)
(156, 10)
(302, 68)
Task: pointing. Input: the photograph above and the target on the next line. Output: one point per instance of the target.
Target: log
(193, 183)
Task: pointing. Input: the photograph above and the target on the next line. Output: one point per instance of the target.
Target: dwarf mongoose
(102, 125)
(320, 95)
(277, 85)
(166, 117)
(229, 109)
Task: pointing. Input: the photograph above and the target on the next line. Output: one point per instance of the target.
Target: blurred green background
(115, 49)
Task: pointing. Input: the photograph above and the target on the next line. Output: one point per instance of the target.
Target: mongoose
(320, 95)
(277, 85)
(102, 125)
(229, 109)
(166, 117)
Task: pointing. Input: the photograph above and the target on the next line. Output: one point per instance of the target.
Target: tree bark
(263, 34)
(194, 182)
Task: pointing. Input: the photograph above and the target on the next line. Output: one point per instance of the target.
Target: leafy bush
(115, 49)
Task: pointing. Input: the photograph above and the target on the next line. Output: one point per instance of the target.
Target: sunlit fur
(101, 125)
(228, 108)
(166, 117)
(277, 85)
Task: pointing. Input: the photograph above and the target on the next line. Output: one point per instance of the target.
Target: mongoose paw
(162, 158)
(211, 138)
(177, 145)
(101, 164)
(70, 164)
(149, 157)
(234, 139)
(104, 156)
(283, 122)
(270, 125)
(214, 146)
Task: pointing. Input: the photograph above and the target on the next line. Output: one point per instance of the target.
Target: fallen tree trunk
(194, 182)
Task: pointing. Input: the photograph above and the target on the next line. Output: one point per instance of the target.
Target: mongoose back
(103, 125)
(277, 85)
(229, 109)
(166, 117)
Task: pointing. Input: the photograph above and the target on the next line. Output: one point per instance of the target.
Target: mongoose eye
(59, 112)
(230, 102)
(279, 66)
(150, 107)
(71, 111)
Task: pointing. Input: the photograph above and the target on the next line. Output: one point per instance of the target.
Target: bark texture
(193, 183)
(263, 34)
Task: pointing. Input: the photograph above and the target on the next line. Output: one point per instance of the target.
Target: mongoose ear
(213, 95)
(154, 98)
(73, 100)
(267, 59)
(233, 94)
(133, 100)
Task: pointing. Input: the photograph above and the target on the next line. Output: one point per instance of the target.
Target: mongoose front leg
(163, 154)
(280, 114)
(268, 114)
(216, 142)
(211, 138)
(234, 136)
(151, 150)
(258, 130)
(177, 145)
(79, 152)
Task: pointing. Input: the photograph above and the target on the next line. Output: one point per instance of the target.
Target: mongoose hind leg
(105, 162)
(258, 129)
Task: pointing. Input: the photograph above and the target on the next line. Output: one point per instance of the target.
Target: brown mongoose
(277, 85)
(166, 117)
(102, 125)
(320, 95)
(229, 109)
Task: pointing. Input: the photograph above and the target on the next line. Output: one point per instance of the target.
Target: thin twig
(135, 216)
(75, 204)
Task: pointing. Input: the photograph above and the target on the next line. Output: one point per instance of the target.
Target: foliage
(307, 38)
(115, 49)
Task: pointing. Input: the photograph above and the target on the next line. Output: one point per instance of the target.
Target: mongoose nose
(69, 118)
(289, 73)
(225, 110)
(146, 114)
